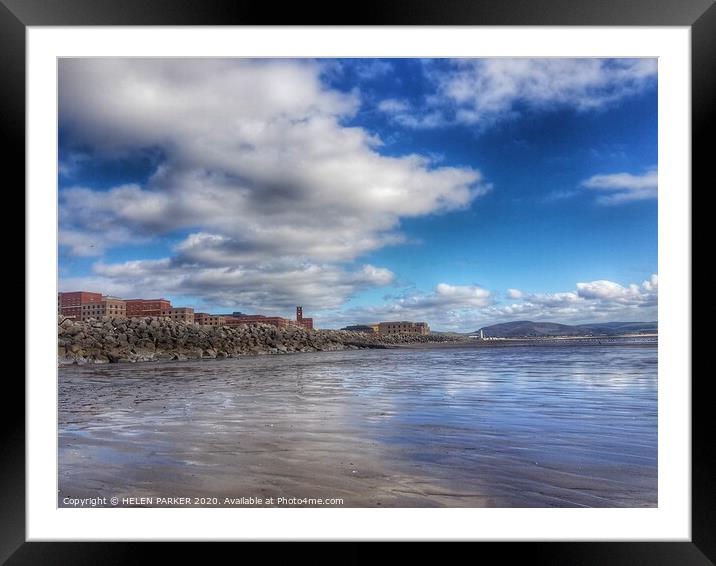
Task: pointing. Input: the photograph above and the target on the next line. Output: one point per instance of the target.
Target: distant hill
(616, 328)
(526, 329)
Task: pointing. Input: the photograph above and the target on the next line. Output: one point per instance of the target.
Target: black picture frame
(699, 15)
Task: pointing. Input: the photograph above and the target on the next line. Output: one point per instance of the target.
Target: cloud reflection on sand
(517, 426)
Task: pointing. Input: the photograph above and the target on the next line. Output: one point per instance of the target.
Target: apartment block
(183, 314)
(107, 307)
(70, 304)
(403, 327)
(147, 307)
(276, 321)
(206, 319)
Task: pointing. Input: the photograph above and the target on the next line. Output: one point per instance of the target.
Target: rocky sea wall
(114, 340)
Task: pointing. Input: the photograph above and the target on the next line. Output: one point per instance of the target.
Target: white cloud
(82, 244)
(257, 164)
(514, 293)
(610, 291)
(467, 308)
(618, 188)
(274, 286)
(483, 91)
(373, 68)
(460, 296)
(447, 306)
(591, 301)
(393, 105)
(651, 285)
(409, 115)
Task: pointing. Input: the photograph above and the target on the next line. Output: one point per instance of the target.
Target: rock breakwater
(114, 340)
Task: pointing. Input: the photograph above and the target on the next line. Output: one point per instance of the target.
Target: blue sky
(461, 192)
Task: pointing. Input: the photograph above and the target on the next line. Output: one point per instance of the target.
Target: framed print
(394, 279)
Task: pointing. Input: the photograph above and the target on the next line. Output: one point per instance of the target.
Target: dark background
(16, 15)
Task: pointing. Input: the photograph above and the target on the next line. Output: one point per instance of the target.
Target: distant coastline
(598, 337)
(544, 329)
(617, 340)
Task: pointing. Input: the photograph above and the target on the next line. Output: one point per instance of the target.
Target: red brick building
(70, 304)
(147, 307)
(184, 314)
(107, 307)
(403, 327)
(206, 319)
(277, 321)
(200, 317)
(305, 322)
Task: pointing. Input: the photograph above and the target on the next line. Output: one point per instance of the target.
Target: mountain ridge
(528, 328)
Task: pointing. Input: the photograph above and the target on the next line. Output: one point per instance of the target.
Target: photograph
(395, 274)
(357, 282)
(387, 278)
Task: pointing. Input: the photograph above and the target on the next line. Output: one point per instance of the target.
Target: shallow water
(518, 426)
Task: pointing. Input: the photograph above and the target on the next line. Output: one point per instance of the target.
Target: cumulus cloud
(372, 68)
(446, 307)
(257, 163)
(461, 295)
(81, 244)
(409, 115)
(484, 91)
(618, 188)
(590, 301)
(393, 105)
(273, 286)
(467, 308)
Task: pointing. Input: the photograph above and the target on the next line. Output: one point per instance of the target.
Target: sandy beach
(471, 427)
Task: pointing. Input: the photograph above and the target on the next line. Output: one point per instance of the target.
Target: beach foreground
(555, 426)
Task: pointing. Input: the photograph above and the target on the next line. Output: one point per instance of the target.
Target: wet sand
(458, 427)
